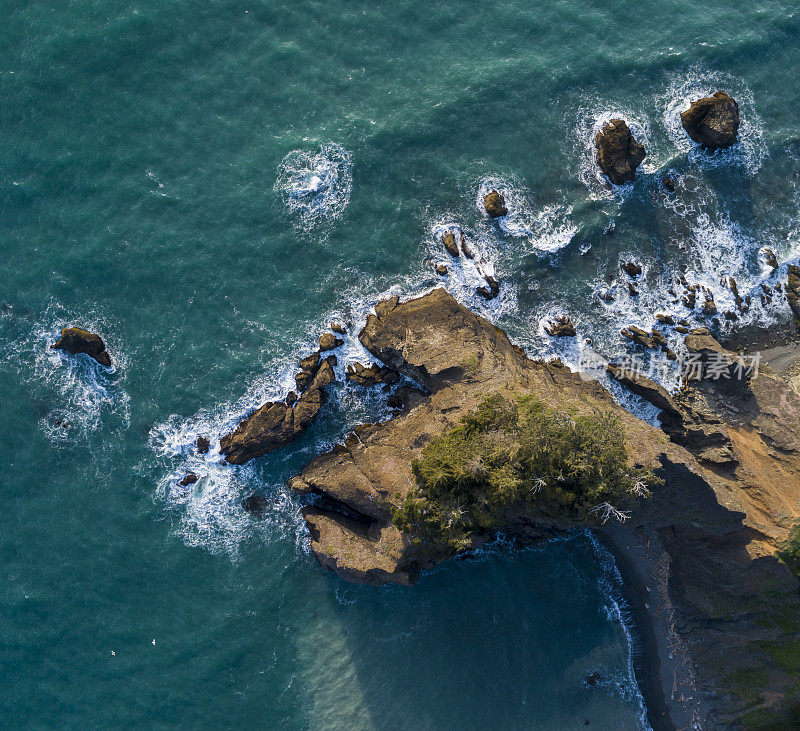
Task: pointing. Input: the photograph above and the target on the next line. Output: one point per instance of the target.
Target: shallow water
(207, 187)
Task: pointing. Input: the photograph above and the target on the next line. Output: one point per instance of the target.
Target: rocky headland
(718, 610)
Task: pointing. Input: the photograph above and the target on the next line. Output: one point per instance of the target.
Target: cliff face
(731, 490)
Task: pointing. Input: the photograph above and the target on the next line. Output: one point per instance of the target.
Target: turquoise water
(207, 185)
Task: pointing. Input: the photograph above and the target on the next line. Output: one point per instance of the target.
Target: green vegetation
(511, 452)
(789, 552)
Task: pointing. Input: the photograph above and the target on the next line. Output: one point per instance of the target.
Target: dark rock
(632, 269)
(189, 479)
(712, 121)
(690, 299)
(592, 679)
(618, 153)
(395, 402)
(328, 341)
(449, 241)
(561, 327)
(255, 504)
(466, 247)
(793, 289)
(492, 290)
(669, 184)
(441, 270)
(632, 291)
(203, 444)
(367, 377)
(495, 204)
(642, 386)
(709, 307)
(665, 319)
(276, 424)
(75, 341)
(770, 259)
(291, 398)
(338, 328)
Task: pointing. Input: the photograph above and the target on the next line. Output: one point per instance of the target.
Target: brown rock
(492, 290)
(441, 270)
(618, 153)
(203, 444)
(495, 204)
(338, 328)
(189, 479)
(561, 327)
(632, 269)
(371, 376)
(449, 241)
(793, 289)
(76, 341)
(712, 121)
(328, 341)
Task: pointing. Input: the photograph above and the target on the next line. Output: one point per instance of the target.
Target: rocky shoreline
(729, 458)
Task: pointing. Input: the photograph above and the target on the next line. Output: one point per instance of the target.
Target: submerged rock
(669, 184)
(618, 153)
(712, 121)
(632, 269)
(561, 327)
(495, 204)
(255, 504)
(75, 341)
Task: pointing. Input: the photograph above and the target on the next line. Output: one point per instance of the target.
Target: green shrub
(789, 551)
(510, 452)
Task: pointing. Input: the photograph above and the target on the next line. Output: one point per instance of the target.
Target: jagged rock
(632, 291)
(449, 241)
(632, 269)
(618, 153)
(561, 327)
(75, 341)
(276, 424)
(793, 289)
(709, 307)
(189, 479)
(291, 398)
(492, 290)
(495, 204)
(328, 341)
(690, 299)
(203, 444)
(255, 504)
(770, 259)
(712, 121)
(371, 376)
(466, 247)
(665, 319)
(638, 336)
(643, 386)
(338, 328)
(441, 270)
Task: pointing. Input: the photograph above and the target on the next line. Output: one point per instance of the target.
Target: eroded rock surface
(75, 341)
(718, 517)
(618, 152)
(712, 121)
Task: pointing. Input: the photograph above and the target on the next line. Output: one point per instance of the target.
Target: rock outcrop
(495, 204)
(370, 376)
(75, 341)
(712, 121)
(618, 153)
(792, 289)
(715, 521)
(278, 423)
(560, 327)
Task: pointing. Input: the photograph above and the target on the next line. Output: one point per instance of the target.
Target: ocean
(208, 185)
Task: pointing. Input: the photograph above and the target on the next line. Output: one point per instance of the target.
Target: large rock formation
(715, 524)
(618, 153)
(712, 121)
(278, 423)
(495, 204)
(793, 289)
(75, 341)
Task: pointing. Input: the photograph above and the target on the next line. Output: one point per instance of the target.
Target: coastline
(663, 672)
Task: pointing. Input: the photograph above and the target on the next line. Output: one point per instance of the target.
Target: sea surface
(207, 185)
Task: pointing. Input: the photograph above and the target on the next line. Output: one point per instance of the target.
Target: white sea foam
(316, 185)
(76, 392)
(696, 83)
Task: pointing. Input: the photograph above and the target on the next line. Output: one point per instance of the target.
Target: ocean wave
(696, 83)
(316, 185)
